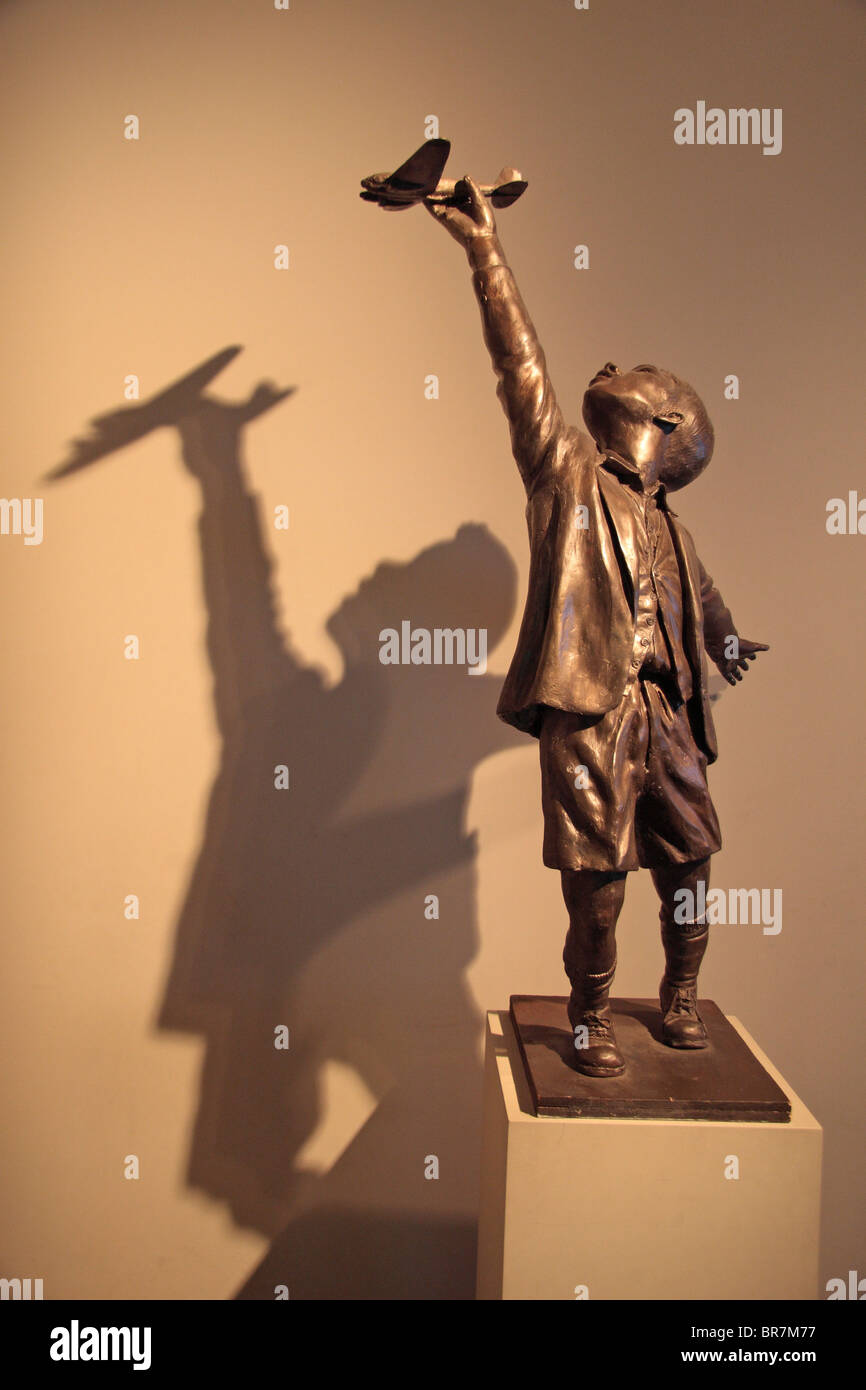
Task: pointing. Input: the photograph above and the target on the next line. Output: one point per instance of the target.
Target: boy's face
(618, 405)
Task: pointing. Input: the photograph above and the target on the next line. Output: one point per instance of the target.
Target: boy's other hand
(469, 222)
(732, 668)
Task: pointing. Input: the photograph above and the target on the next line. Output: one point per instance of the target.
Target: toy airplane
(420, 179)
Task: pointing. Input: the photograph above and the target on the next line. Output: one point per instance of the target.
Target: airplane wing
(422, 170)
(414, 180)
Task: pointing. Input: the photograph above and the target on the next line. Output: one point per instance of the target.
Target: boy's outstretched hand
(732, 668)
(471, 220)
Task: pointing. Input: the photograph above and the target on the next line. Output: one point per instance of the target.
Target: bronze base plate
(724, 1081)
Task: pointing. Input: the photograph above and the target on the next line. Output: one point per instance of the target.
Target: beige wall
(154, 777)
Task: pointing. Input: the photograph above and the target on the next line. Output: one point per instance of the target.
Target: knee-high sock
(684, 941)
(594, 901)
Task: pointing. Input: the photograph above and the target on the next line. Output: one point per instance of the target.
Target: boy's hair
(690, 446)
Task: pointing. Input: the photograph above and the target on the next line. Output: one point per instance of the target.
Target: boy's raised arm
(524, 386)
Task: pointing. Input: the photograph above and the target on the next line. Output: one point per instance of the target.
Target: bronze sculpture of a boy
(609, 672)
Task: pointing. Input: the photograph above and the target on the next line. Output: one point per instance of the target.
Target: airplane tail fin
(509, 185)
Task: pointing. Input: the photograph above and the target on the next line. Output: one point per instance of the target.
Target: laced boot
(682, 1025)
(596, 1052)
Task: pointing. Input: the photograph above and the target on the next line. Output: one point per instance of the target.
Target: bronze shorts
(627, 789)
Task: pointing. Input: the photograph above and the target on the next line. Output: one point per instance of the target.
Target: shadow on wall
(306, 907)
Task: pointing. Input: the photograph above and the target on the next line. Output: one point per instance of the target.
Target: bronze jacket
(576, 640)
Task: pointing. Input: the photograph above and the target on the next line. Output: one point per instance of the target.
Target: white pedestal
(629, 1209)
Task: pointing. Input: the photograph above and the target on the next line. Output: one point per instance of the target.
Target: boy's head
(650, 414)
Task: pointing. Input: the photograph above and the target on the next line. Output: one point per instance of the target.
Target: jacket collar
(627, 473)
